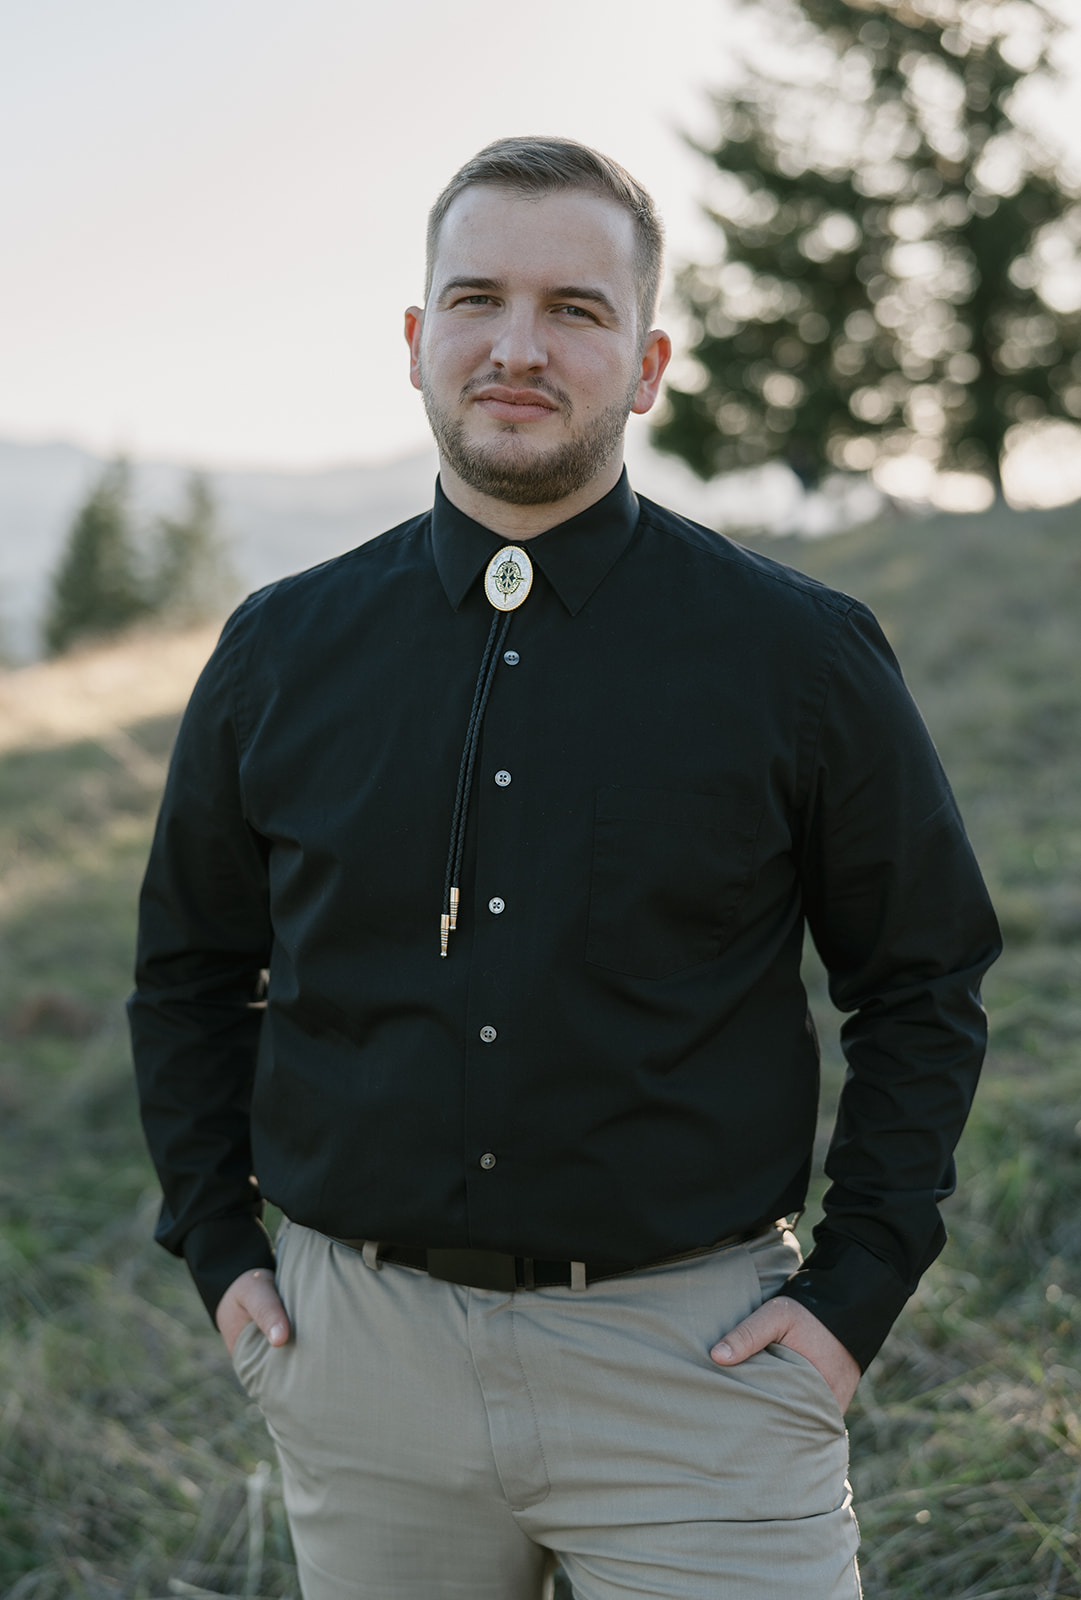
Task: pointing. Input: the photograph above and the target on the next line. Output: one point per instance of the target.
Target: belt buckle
(474, 1269)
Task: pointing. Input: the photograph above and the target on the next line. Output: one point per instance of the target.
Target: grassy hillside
(127, 1462)
(966, 1436)
(130, 1465)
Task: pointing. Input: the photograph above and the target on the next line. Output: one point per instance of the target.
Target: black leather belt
(488, 1269)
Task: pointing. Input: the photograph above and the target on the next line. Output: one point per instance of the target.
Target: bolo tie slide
(508, 579)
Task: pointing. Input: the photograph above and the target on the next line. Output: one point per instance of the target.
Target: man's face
(528, 354)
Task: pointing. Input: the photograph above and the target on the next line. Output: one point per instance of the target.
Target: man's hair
(532, 166)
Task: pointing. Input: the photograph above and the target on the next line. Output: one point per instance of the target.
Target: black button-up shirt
(688, 751)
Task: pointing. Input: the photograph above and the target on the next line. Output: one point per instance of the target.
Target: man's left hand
(784, 1321)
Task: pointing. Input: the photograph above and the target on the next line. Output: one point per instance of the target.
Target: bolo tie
(508, 579)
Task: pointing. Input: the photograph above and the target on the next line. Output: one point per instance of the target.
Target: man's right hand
(252, 1297)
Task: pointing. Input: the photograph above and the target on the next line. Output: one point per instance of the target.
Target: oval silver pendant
(508, 578)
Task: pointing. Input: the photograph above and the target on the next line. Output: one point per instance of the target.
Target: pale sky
(214, 211)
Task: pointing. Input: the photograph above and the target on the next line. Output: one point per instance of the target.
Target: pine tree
(96, 589)
(194, 580)
(890, 230)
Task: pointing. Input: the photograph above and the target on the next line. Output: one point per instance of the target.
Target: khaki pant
(442, 1443)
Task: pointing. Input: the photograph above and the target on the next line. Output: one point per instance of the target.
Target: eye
(576, 312)
(474, 300)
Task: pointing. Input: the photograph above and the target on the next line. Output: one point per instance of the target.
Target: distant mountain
(279, 522)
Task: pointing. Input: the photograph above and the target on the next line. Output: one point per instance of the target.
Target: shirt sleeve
(203, 946)
(900, 916)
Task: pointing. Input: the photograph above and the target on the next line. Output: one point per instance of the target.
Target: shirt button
(496, 905)
(487, 1161)
(488, 1034)
(502, 777)
(511, 657)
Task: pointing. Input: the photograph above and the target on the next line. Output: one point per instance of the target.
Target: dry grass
(101, 691)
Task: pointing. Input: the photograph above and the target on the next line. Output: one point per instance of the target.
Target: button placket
(490, 1050)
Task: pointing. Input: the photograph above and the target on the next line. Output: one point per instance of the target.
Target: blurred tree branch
(899, 270)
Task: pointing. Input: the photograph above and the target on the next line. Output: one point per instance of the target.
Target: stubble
(505, 468)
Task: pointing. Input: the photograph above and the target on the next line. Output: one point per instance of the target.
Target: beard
(504, 468)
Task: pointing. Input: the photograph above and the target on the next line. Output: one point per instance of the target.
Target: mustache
(551, 390)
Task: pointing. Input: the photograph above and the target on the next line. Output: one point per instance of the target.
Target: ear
(655, 357)
(414, 322)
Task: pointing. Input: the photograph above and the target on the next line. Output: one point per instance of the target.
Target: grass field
(131, 1465)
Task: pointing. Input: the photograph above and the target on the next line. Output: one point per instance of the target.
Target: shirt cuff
(855, 1294)
(217, 1252)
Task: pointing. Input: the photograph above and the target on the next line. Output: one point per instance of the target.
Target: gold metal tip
(444, 933)
(453, 910)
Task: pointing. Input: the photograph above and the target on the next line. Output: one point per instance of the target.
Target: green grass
(966, 1433)
(131, 1464)
(129, 1460)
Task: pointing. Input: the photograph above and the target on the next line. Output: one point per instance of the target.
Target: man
(524, 806)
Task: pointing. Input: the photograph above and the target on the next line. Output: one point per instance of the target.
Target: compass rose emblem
(508, 578)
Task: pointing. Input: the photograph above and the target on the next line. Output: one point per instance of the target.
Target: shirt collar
(574, 556)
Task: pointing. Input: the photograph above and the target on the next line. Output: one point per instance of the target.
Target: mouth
(514, 405)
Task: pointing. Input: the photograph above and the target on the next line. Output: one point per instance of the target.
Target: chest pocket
(670, 872)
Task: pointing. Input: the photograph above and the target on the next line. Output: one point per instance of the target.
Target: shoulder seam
(829, 672)
(357, 553)
(834, 600)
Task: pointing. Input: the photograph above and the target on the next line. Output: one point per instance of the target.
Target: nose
(518, 343)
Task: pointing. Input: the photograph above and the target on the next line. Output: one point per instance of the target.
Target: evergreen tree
(887, 283)
(194, 580)
(96, 589)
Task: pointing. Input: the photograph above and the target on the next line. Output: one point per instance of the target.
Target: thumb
(764, 1326)
(252, 1297)
(263, 1305)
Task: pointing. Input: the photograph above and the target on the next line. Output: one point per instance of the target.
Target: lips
(514, 405)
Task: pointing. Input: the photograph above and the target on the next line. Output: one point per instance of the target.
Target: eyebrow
(565, 291)
(483, 285)
(573, 291)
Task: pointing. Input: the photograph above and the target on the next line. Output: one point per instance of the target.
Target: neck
(525, 522)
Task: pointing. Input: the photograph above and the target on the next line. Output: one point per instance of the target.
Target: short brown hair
(532, 166)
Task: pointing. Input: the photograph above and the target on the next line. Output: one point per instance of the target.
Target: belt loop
(527, 1278)
(578, 1274)
(371, 1254)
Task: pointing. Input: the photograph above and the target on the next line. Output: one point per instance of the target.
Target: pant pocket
(249, 1354)
(822, 1397)
(774, 1256)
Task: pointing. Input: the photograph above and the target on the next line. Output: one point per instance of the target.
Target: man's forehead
(493, 231)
